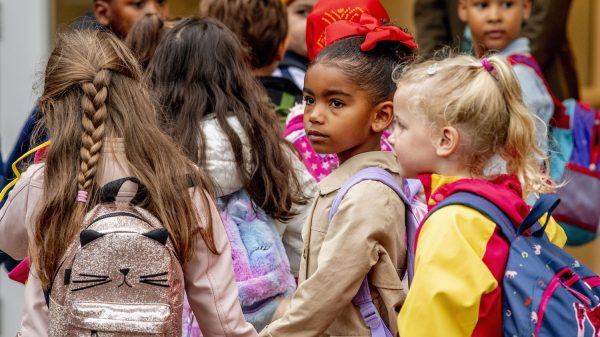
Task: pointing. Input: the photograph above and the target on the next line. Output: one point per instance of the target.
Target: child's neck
(372, 144)
(451, 168)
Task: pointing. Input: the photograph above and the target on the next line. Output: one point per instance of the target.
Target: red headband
(327, 12)
(371, 28)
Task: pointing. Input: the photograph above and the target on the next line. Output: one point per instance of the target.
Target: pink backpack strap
(560, 118)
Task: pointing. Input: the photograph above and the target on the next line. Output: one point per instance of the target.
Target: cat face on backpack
(111, 273)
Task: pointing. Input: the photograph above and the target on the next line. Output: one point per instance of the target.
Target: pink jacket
(209, 278)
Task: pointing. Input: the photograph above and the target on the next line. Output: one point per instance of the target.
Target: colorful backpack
(260, 263)
(363, 298)
(545, 292)
(574, 162)
(121, 278)
(318, 165)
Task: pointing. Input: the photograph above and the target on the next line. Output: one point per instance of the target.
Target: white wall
(24, 43)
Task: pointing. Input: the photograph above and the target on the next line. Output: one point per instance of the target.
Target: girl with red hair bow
(348, 91)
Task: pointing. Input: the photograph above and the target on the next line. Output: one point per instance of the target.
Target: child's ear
(384, 115)
(462, 10)
(102, 12)
(282, 48)
(448, 141)
(527, 8)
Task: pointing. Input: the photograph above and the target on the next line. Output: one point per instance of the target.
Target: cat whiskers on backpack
(97, 280)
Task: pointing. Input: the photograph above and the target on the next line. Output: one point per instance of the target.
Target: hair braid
(94, 115)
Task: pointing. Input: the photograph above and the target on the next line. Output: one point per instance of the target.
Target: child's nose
(315, 115)
(494, 13)
(151, 8)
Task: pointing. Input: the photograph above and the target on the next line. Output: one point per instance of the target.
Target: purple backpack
(363, 298)
(545, 292)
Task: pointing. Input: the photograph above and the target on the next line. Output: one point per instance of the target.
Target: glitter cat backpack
(121, 278)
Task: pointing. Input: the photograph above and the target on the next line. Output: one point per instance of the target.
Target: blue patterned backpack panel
(545, 291)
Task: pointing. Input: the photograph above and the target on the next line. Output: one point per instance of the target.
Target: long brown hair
(92, 90)
(199, 69)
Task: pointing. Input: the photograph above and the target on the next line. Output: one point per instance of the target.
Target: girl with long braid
(104, 127)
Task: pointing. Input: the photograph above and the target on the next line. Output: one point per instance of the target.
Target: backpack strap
(369, 173)
(545, 204)
(560, 118)
(363, 298)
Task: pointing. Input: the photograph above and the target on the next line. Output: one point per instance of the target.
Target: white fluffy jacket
(222, 168)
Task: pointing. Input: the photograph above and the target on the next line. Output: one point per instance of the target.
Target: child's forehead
(327, 74)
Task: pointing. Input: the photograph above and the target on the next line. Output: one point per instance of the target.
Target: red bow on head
(371, 28)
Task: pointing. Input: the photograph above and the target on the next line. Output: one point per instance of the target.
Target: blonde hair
(92, 90)
(486, 107)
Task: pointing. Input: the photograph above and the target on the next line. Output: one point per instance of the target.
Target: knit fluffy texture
(261, 266)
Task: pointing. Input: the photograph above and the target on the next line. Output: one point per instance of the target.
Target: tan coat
(209, 278)
(366, 235)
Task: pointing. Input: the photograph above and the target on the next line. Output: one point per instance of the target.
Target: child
(103, 127)
(495, 26)
(348, 90)
(262, 27)
(294, 63)
(323, 14)
(121, 15)
(452, 116)
(214, 111)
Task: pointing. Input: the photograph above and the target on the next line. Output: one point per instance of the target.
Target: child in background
(324, 13)
(213, 109)
(104, 127)
(294, 63)
(121, 15)
(453, 116)
(262, 27)
(496, 26)
(348, 90)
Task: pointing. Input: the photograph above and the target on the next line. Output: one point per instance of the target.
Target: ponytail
(483, 99)
(520, 150)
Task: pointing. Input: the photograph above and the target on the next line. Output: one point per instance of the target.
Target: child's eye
(303, 11)
(480, 5)
(161, 2)
(336, 103)
(138, 4)
(507, 4)
(309, 100)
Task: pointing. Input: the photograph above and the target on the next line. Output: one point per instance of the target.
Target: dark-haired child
(348, 92)
(295, 62)
(324, 13)
(262, 27)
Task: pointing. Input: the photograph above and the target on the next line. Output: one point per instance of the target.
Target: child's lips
(495, 34)
(316, 136)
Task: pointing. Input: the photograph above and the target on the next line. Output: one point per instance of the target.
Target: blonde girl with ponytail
(453, 118)
(103, 126)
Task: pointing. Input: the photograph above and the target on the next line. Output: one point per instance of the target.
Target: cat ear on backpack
(88, 236)
(160, 235)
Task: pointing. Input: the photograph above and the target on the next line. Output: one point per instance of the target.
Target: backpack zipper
(114, 214)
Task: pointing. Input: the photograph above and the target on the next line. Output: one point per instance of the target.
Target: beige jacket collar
(338, 177)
